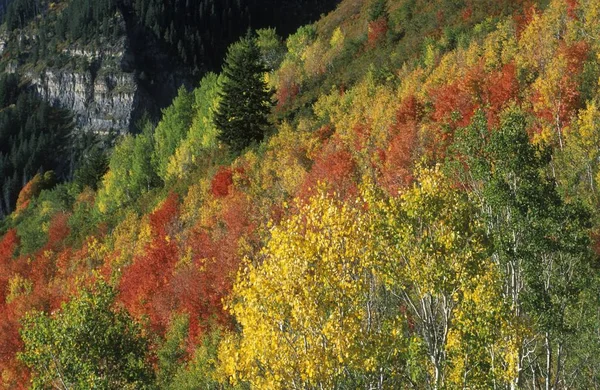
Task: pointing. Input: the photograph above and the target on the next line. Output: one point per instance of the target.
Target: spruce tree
(245, 98)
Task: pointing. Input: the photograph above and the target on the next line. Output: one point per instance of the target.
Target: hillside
(400, 195)
(110, 65)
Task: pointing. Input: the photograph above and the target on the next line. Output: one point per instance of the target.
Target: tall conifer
(245, 98)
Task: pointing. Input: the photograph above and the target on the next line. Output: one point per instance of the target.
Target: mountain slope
(421, 214)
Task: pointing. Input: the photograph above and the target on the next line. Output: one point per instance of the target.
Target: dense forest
(37, 32)
(34, 138)
(403, 194)
(196, 33)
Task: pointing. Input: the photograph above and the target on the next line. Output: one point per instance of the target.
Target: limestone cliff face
(107, 84)
(102, 96)
(99, 102)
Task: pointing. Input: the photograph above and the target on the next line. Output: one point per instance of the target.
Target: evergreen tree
(245, 98)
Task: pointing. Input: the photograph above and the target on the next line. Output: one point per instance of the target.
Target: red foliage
(566, 101)
(466, 14)
(501, 88)
(30, 191)
(286, 92)
(144, 284)
(162, 218)
(8, 246)
(397, 160)
(572, 6)
(453, 105)
(13, 373)
(58, 230)
(362, 134)
(325, 132)
(335, 167)
(222, 182)
(524, 15)
(377, 31)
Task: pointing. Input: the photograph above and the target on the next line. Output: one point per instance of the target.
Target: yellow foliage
(305, 305)
(500, 46)
(539, 41)
(18, 286)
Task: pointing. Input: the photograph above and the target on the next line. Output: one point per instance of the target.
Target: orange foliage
(336, 168)
(565, 100)
(453, 105)
(221, 182)
(144, 284)
(524, 15)
(397, 160)
(377, 31)
(501, 88)
(58, 230)
(288, 86)
(572, 6)
(466, 14)
(30, 191)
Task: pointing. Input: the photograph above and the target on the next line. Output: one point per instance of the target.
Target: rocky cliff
(99, 102)
(98, 86)
(107, 85)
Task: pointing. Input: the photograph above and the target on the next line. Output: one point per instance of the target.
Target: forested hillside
(403, 194)
(101, 66)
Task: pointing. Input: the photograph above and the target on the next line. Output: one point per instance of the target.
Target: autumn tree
(540, 241)
(172, 130)
(88, 344)
(131, 172)
(309, 309)
(440, 268)
(245, 99)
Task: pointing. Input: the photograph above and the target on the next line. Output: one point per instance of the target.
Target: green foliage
(93, 167)
(245, 99)
(271, 48)
(378, 9)
(88, 344)
(32, 224)
(201, 139)
(34, 137)
(172, 129)
(538, 238)
(201, 371)
(86, 19)
(20, 12)
(131, 172)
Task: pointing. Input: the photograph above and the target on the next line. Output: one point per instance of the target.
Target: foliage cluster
(429, 221)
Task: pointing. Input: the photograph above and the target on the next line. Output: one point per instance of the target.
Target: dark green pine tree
(245, 98)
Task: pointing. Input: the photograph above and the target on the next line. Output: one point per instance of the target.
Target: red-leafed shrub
(145, 283)
(502, 87)
(8, 245)
(377, 30)
(524, 15)
(33, 188)
(325, 132)
(397, 159)
(572, 6)
(286, 92)
(466, 14)
(58, 230)
(452, 105)
(561, 104)
(222, 182)
(335, 168)
(163, 217)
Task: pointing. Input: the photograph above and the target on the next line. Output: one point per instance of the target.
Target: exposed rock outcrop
(99, 102)
(94, 86)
